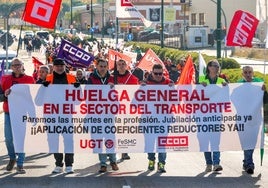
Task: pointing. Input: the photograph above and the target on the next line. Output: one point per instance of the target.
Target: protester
(59, 76)
(157, 78)
(168, 63)
(29, 48)
(17, 77)
(139, 54)
(212, 77)
(181, 64)
(42, 74)
(248, 76)
(50, 66)
(123, 76)
(174, 73)
(137, 72)
(80, 76)
(102, 76)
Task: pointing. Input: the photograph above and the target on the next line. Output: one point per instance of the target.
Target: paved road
(184, 169)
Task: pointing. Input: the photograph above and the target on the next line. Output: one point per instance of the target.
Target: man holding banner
(123, 76)
(59, 76)
(102, 76)
(17, 77)
(248, 76)
(157, 78)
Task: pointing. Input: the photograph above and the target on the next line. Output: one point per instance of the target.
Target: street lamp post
(91, 21)
(102, 19)
(225, 23)
(162, 24)
(218, 29)
(71, 12)
(7, 33)
(184, 26)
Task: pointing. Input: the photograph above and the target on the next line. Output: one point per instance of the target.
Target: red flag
(149, 59)
(188, 72)
(242, 29)
(42, 13)
(36, 62)
(112, 54)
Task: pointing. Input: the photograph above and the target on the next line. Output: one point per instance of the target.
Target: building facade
(151, 10)
(188, 13)
(202, 13)
(207, 15)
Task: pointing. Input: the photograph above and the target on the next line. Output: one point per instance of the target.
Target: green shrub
(227, 63)
(233, 74)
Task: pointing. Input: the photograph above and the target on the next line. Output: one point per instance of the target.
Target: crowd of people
(56, 71)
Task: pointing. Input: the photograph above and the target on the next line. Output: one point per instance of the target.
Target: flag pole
(115, 71)
(116, 33)
(20, 41)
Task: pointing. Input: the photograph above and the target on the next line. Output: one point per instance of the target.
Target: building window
(193, 19)
(201, 19)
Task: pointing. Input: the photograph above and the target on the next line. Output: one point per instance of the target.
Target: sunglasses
(158, 73)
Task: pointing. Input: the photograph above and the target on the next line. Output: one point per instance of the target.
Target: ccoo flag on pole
(73, 55)
(125, 9)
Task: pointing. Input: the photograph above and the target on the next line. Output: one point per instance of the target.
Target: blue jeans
(9, 142)
(248, 159)
(103, 158)
(212, 158)
(161, 157)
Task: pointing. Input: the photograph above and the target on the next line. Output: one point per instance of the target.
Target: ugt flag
(73, 55)
(42, 13)
(115, 56)
(242, 29)
(149, 59)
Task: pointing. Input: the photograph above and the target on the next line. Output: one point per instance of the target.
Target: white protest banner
(129, 119)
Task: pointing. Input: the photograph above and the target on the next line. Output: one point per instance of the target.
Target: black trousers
(68, 159)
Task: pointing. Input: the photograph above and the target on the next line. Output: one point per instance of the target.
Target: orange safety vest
(70, 78)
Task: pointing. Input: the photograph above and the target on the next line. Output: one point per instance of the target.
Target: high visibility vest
(206, 80)
(70, 78)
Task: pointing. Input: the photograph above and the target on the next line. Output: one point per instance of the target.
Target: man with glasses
(123, 76)
(157, 78)
(248, 76)
(17, 77)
